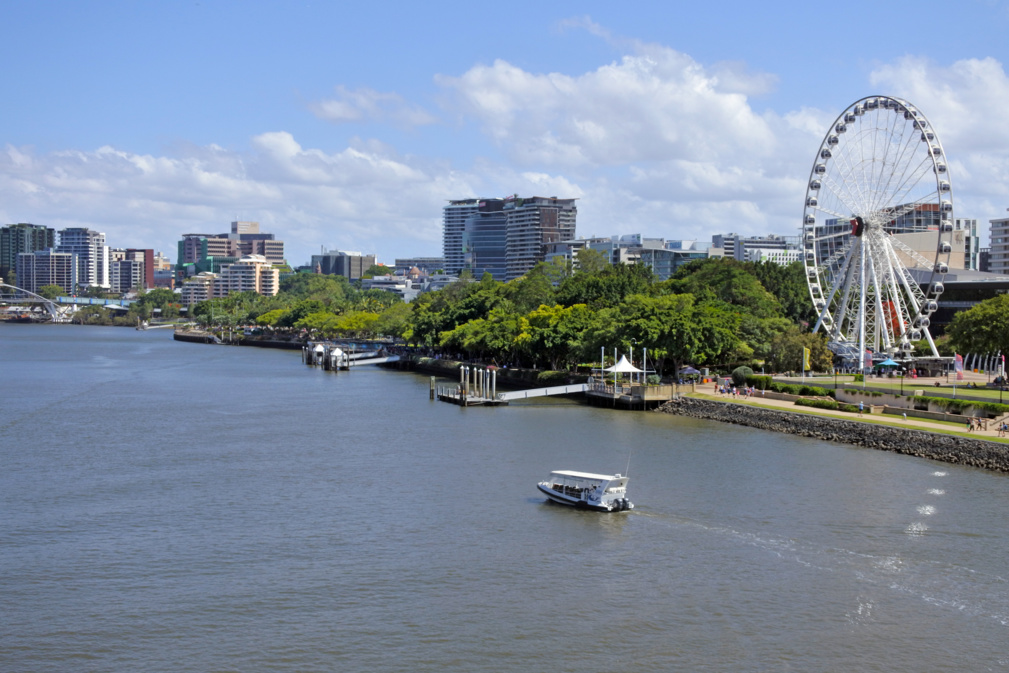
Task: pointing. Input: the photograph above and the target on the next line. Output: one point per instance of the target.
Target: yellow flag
(805, 359)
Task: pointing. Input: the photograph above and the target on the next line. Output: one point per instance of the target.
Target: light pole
(634, 342)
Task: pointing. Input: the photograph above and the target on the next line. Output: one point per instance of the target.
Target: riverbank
(920, 443)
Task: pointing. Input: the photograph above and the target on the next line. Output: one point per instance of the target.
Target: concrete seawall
(946, 448)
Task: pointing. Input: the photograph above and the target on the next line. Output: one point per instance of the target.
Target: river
(184, 507)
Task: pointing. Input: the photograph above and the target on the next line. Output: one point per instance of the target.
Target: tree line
(714, 312)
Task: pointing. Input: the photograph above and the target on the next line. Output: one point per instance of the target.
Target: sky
(349, 125)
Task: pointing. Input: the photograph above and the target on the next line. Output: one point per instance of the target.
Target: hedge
(959, 406)
(830, 404)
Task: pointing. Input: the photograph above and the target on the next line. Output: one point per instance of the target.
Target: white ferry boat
(599, 492)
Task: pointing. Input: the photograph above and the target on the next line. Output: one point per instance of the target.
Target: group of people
(745, 392)
(975, 423)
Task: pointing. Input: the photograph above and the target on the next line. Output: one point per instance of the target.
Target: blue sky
(342, 125)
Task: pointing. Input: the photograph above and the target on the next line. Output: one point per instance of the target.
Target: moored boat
(599, 492)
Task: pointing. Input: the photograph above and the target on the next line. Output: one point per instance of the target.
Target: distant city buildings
(664, 257)
(504, 237)
(212, 252)
(350, 265)
(426, 265)
(18, 238)
(777, 249)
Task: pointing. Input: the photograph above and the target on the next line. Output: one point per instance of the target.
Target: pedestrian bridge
(571, 389)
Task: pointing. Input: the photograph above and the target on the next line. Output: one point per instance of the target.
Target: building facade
(473, 228)
(91, 253)
(350, 265)
(24, 237)
(46, 267)
(998, 250)
(253, 273)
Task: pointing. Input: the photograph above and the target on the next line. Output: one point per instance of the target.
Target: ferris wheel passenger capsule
(944, 186)
(940, 168)
(938, 288)
(849, 117)
(809, 219)
(945, 248)
(811, 202)
(941, 268)
(815, 184)
(946, 207)
(871, 104)
(946, 227)
(936, 151)
(832, 140)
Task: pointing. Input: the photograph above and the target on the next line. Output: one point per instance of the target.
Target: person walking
(860, 407)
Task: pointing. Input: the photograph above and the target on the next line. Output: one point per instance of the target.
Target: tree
(983, 328)
(377, 270)
(590, 261)
(726, 279)
(554, 333)
(607, 287)
(50, 291)
(786, 351)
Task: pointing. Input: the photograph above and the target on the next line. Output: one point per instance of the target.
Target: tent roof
(622, 366)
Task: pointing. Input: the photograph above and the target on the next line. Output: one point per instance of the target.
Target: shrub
(654, 379)
(959, 406)
(740, 374)
(759, 381)
(552, 378)
(831, 404)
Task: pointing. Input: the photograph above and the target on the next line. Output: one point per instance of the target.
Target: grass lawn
(957, 429)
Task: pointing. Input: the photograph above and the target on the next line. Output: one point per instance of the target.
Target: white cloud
(654, 105)
(963, 101)
(357, 199)
(368, 105)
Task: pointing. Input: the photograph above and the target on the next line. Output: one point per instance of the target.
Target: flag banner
(868, 360)
(805, 359)
(958, 366)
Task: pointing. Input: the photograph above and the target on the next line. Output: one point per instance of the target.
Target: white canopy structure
(623, 367)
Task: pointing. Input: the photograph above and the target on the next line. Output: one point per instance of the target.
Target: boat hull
(577, 503)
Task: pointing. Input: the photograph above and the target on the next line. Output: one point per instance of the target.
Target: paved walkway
(885, 419)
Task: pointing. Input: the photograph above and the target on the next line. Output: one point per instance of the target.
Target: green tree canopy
(983, 328)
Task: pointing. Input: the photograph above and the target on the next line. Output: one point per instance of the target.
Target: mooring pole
(432, 388)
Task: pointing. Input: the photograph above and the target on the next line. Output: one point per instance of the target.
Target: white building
(92, 255)
(198, 288)
(252, 273)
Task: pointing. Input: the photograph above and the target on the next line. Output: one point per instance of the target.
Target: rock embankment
(946, 448)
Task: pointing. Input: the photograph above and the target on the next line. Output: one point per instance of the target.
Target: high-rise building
(998, 255)
(253, 273)
(23, 237)
(350, 265)
(972, 243)
(251, 241)
(91, 252)
(45, 267)
(474, 230)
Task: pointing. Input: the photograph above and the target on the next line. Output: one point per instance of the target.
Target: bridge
(60, 308)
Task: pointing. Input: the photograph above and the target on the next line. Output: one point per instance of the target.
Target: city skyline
(351, 128)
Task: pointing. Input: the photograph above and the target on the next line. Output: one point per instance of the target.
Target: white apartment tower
(92, 255)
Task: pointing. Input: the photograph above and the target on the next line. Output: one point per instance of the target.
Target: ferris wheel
(877, 229)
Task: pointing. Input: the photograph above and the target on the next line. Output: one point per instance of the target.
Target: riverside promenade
(943, 442)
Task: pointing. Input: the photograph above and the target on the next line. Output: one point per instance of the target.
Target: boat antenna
(627, 473)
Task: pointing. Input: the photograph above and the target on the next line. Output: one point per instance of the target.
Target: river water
(182, 507)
